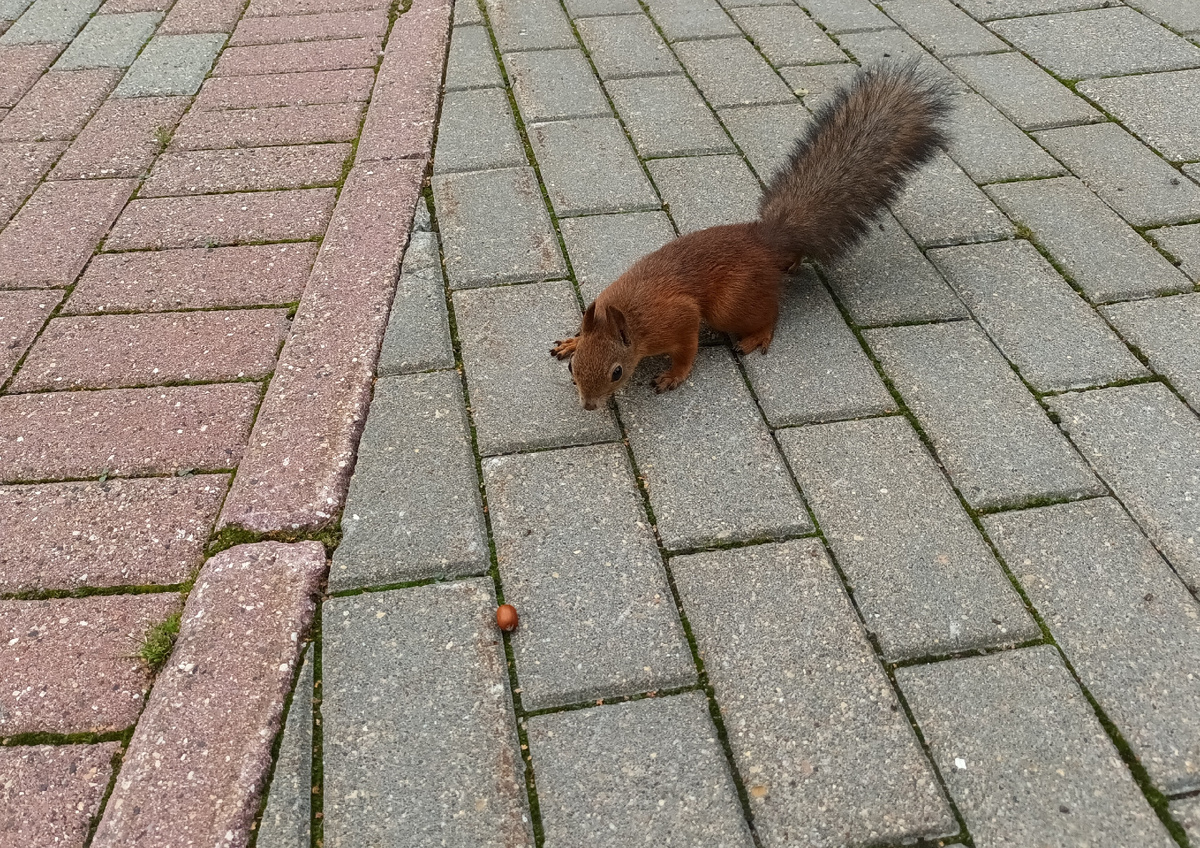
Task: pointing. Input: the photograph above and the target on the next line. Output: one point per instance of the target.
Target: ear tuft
(589, 319)
(620, 325)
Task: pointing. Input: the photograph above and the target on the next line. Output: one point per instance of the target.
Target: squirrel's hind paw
(564, 348)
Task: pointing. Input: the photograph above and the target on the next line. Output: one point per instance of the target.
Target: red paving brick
(276, 8)
(22, 166)
(69, 665)
(193, 279)
(263, 127)
(298, 56)
(114, 351)
(304, 89)
(146, 531)
(226, 683)
(310, 27)
(122, 138)
(22, 314)
(403, 108)
(218, 219)
(51, 792)
(191, 17)
(122, 432)
(58, 105)
(23, 66)
(296, 471)
(246, 169)
(55, 233)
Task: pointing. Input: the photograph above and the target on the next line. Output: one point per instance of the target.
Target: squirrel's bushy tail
(853, 160)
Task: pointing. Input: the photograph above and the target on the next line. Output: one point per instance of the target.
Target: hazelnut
(506, 618)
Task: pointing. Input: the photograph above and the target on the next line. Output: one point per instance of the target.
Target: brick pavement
(926, 572)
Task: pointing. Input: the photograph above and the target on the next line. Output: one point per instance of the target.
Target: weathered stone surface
(602, 247)
(626, 46)
(581, 566)
(1023, 754)
(277, 8)
(424, 747)
(649, 771)
(704, 191)
(990, 148)
(476, 133)
(22, 167)
(298, 56)
(249, 169)
(58, 106)
(300, 89)
(315, 124)
(23, 66)
(529, 25)
(1024, 92)
(287, 819)
(787, 36)
(814, 84)
(170, 64)
(1155, 108)
(1165, 330)
(941, 205)
(1179, 15)
(766, 134)
(593, 8)
(55, 21)
(69, 664)
(892, 45)
(52, 792)
(418, 332)
(848, 15)
(62, 536)
(317, 27)
(122, 138)
(226, 682)
(588, 167)
(665, 116)
(816, 732)
(985, 10)
(942, 28)
(550, 85)
(681, 19)
(1187, 813)
(730, 72)
(109, 41)
(1182, 244)
(22, 314)
(472, 61)
(188, 17)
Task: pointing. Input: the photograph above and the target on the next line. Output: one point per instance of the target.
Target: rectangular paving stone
(529, 25)
(1182, 246)
(277, 8)
(70, 665)
(300, 89)
(23, 66)
(942, 28)
(422, 748)
(22, 166)
(665, 116)
(1187, 812)
(211, 220)
(495, 228)
(287, 819)
(122, 138)
(467, 12)
(432, 525)
(595, 8)
(712, 470)
(109, 41)
(993, 439)
(588, 167)
(644, 771)
(476, 133)
(10, 10)
(1146, 445)
(626, 46)
(1100, 253)
(1024, 92)
(472, 61)
(787, 36)
(66, 536)
(58, 106)
(730, 72)
(815, 370)
(1154, 108)
(246, 169)
(521, 397)
(170, 64)
(815, 84)
(1143, 189)
(923, 578)
(193, 279)
(317, 124)
(1055, 340)
(766, 134)
(1179, 15)
(1098, 43)
(188, 17)
(298, 56)
(816, 732)
(1036, 766)
(887, 280)
(22, 314)
(985, 10)
(942, 205)
(227, 682)
(1164, 330)
(990, 148)
(589, 546)
(550, 85)
(705, 191)
(54, 234)
(317, 27)
(418, 334)
(51, 21)
(602, 247)
(57, 790)
(1123, 620)
(882, 46)
(848, 15)
(683, 19)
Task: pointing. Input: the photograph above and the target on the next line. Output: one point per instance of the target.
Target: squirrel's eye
(616, 373)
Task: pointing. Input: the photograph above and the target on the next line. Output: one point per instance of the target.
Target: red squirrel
(852, 162)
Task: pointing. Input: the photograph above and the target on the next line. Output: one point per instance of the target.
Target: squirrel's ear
(589, 318)
(617, 317)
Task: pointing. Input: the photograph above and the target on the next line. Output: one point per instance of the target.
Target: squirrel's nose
(590, 404)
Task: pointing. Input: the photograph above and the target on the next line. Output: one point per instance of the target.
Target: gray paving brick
(887, 280)
(495, 228)
(1155, 107)
(432, 524)
(683, 19)
(710, 465)
(521, 397)
(813, 84)
(109, 41)
(1187, 813)
(418, 332)
(666, 116)
(1146, 445)
(1165, 330)
(985, 10)
(1142, 188)
(580, 564)
(589, 167)
(734, 4)
(993, 439)
(596, 8)
(1098, 43)
(816, 370)
(1100, 253)
(787, 36)
(941, 205)
(10, 10)
(923, 578)
(286, 822)
(704, 191)
(644, 772)
(421, 748)
(1032, 98)
(1037, 767)
(766, 134)
(1182, 244)
(476, 133)
(529, 25)
(892, 44)
(843, 16)
(550, 85)
(1055, 340)
(1123, 620)
(730, 72)
(942, 28)
(1179, 15)
(822, 745)
(991, 148)
(466, 12)
(55, 21)
(602, 247)
(472, 62)
(170, 64)
(626, 46)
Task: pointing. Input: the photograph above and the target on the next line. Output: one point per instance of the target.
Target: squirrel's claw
(564, 348)
(666, 381)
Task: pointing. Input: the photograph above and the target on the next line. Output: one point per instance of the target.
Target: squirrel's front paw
(564, 348)
(666, 381)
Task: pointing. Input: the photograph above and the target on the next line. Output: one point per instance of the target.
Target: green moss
(160, 639)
